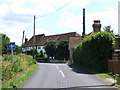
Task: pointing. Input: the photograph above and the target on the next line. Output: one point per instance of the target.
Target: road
(51, 75)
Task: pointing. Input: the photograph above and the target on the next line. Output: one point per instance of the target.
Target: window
(39, 47)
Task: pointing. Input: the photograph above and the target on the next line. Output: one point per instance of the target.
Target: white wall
(40, 48)
(27, 49)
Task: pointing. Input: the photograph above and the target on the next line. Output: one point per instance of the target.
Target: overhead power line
(65, 5)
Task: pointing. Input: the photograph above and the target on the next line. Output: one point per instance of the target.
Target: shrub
(21, 63)
(94, 51)
(40, 55)
(31, 52)
(62, 50)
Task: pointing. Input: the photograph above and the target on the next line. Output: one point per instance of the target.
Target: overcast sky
(54, 16)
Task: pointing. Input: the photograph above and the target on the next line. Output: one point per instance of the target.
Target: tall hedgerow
(94, 51)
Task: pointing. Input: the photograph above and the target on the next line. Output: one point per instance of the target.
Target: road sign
(11, 45)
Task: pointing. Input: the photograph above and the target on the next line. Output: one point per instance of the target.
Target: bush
(94, 51)
(118, 80)
(21, 63)
(40, 55)
(31, 52)
(62, 50)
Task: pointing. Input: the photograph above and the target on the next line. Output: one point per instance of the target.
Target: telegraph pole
(22, 40)
(83, 33)
(34, 38)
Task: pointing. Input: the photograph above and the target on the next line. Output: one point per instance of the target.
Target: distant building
(73, 41)
(41, 40)
(74, 38)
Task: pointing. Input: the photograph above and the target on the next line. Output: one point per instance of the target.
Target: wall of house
(24, 49)
(40, 48)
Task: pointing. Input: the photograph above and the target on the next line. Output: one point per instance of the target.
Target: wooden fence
(114, 66)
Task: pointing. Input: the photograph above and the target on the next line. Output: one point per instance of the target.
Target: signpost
(11, 46)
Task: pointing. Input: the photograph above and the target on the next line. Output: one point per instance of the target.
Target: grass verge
(21, 78)
(100, 75)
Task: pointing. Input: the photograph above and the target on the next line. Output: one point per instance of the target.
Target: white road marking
(57, 67)
(62, 73)
(70, 68)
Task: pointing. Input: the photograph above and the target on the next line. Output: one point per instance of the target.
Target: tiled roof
(37, 38)
(41, 39)
(57, 37)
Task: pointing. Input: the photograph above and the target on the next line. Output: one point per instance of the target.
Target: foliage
(62, 50)
(50, 48)
(108, 29)
(20, 79)
(94, 50)
(17, 49)
(5, 40)
(115, 77)
(31, 52)
(40, 55)
(10, 68)
(118, 80)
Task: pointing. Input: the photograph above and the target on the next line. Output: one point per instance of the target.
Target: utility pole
(34, 38)
(83, 33)
(22, 40)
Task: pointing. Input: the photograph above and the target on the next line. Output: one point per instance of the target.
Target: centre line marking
(62, 73)
(57, 67)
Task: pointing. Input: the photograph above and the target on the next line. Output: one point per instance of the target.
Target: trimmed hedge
(94, 51)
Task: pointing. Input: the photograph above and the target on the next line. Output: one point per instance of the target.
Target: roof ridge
(61, 34)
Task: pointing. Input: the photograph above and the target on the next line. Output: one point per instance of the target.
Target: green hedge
(94, 50)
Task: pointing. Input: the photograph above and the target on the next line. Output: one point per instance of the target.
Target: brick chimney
(96, 26)
(26, 40)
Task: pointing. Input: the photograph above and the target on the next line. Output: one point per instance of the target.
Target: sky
(54, 16)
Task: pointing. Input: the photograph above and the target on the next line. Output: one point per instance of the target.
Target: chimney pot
(26, 40)
(96, 26)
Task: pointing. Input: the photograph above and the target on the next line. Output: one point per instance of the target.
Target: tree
(5, 40)
(108, 29)
(50, 48)
(31, 52)
(17, 49)
(62, 50)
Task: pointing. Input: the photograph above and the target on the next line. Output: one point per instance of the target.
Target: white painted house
(41, 40)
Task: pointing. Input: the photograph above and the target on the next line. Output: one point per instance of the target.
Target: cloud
(107, 17)
(14, 33)
(17, 15)
(11, 18)
(73, 21)
(70, 20)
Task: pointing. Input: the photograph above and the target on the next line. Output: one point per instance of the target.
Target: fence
(114, 66)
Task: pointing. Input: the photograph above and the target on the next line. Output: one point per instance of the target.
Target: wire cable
(65, 5)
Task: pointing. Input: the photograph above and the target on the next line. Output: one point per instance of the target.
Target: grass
(21, 78)
(98, 74)
(103, 75)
